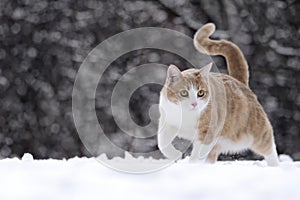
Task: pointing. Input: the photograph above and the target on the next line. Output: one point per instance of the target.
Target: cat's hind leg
(266, 147)
(272, 158)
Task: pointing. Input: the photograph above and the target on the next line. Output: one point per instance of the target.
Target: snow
(86, 178)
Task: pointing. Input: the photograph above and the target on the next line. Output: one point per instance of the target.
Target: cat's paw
(174, 155)
(191, 160)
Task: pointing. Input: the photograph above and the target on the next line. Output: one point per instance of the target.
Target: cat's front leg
(165, 137)
(199, 151)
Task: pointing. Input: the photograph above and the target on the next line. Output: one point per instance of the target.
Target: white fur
(166, 134)
(228, 146)
(200, 151)
(272, 158)
(178, 120)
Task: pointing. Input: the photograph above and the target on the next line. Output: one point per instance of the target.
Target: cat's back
(235, 90)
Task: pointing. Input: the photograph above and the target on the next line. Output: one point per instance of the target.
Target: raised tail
(236, 62)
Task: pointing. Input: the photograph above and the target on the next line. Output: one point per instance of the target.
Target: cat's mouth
(194, 108)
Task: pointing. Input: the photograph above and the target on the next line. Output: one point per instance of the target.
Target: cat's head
(189, 88)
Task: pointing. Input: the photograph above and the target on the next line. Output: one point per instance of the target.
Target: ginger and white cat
(193, 106)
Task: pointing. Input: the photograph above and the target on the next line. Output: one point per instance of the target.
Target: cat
(193, 106)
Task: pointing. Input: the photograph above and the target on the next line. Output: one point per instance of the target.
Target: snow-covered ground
(86, 178)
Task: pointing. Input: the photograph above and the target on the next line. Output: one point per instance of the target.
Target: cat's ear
(173, 73)
(205, 70)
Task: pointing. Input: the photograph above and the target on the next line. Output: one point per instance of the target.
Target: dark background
(43, 42)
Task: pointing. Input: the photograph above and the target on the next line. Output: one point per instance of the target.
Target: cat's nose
(194, 104)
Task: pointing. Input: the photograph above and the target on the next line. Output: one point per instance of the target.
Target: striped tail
(236, 62)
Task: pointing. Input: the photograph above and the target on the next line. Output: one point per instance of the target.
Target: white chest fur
(184, 122)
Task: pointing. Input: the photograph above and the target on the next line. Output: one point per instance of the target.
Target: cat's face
(188, 89)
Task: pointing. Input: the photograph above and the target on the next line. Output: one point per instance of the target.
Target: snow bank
(86, 178)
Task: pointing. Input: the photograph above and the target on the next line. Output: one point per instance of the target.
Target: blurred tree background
(43, 42)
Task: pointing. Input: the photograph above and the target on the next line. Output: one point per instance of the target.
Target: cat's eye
(201, 93)
(184, 93)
